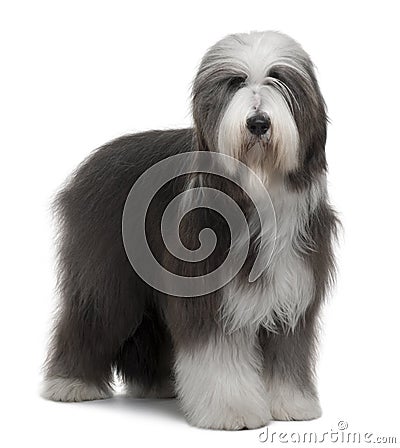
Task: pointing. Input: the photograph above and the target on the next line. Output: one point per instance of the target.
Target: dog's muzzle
(258, 124)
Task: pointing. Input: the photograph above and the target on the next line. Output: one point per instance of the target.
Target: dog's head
(256, 98)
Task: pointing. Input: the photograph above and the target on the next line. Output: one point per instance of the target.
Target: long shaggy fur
(244, 354)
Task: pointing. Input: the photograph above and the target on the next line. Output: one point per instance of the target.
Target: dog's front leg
(289, 363)
(218, 377)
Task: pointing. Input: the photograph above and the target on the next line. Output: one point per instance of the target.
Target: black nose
(258, 124)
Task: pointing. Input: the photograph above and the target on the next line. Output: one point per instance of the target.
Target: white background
(75, 74)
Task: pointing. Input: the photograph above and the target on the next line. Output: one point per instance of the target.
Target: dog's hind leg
(90, 329)
(102, 299)
(145, 360)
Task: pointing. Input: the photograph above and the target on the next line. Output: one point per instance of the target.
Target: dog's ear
(315, 159)
(312, 152)
(312, 122)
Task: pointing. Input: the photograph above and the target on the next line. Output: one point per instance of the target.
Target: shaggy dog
(248, 183)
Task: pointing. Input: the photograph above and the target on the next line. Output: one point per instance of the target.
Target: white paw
(231, 420)
(288, 403)
(227, 406)
(71, 389)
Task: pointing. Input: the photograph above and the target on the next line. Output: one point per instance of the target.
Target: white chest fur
(286, 288)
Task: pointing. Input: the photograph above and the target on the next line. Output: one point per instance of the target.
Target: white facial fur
(283, 138)
(254, 55)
